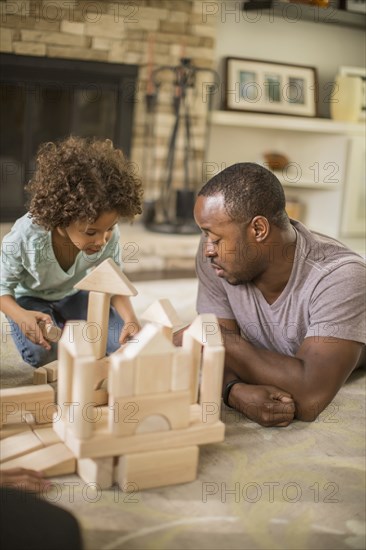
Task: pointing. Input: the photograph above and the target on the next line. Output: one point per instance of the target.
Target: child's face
(92, 237)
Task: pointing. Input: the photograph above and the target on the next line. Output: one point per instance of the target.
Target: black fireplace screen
(44, 99)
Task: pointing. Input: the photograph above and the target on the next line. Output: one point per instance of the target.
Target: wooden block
(38, 400)
(101, 444)
(12, 429)
(153, 373)
(40, 376)
(101, 370)
(157, 468)
(96, 470)
(51, 369)
(162, 312)
(121, 379)
(53, 333)
(47, 436)
(194, 348)
(126, 413)
(19, 444)
(100, 397)
(181, 370)
(82, 396)
(29, 419)
(153, 423)
(53, 461)
(98, 320)
(211, 382)
(107, 278)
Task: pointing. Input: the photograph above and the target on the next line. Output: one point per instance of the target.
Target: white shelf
(281, 122)
(309, 185)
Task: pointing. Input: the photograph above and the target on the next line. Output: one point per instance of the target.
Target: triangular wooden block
(162, 312)
(205, 329)
(108, 278)
(150, 341)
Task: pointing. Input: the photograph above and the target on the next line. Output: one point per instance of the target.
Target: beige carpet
(300, 487)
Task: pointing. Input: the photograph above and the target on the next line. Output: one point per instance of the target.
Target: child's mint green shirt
(29, 266)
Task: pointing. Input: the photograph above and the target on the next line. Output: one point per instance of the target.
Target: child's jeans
(71, 308)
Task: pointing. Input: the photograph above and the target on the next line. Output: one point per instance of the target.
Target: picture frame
(269, 87)
(361, 73)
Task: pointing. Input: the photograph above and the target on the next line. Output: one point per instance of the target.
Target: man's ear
(260, 228)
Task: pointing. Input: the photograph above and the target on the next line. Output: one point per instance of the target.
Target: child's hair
(79, 179)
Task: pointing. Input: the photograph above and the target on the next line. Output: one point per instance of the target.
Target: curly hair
(79, 179)
(249, 190)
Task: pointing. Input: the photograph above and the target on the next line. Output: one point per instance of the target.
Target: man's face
(229, 246)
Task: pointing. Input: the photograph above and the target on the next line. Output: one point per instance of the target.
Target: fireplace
(44, 99)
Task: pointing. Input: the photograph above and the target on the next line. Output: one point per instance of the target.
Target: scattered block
(53, 461)
(12, 429)
(51, 369)
(47, 436)
(40, 376)
(18, 445)
(38, 400)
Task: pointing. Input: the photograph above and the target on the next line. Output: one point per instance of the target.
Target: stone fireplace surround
(146, 33)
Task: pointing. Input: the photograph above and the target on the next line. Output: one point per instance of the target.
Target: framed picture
(268, 87)
(358, 72)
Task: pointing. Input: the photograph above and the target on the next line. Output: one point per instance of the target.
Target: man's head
(241, 211)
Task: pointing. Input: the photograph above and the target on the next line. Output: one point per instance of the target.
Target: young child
(80, 190)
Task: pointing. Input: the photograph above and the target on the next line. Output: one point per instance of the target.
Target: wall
(324, 46)
(143, 32)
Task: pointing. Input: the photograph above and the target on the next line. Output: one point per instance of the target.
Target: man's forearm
(258, 366)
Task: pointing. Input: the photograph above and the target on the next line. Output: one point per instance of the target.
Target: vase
(346, 99)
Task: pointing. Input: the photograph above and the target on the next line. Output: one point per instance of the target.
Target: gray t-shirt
(324, 297)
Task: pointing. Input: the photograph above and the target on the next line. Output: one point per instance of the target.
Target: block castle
(136, 417)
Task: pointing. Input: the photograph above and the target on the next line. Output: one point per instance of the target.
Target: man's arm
(312, 377)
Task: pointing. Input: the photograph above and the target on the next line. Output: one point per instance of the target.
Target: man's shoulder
(322, 252)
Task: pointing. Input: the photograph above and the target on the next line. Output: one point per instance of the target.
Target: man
(290, 303)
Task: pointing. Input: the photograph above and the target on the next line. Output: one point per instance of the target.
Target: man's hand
(22, 479)
(266, 405)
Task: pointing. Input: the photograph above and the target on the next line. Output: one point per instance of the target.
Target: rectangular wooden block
(38, 400)
(96, 470)
(139, 471)
(153, 373)
(102, 444)
(53, 461)
(47, 436)
(40, 376)
(12, 429)
(18, 445)
(51, 369)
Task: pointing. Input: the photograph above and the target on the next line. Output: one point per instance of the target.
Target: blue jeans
(71, 308)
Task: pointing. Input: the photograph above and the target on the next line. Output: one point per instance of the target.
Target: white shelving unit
(318, 150)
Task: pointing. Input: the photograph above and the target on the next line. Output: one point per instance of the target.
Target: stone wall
(124, 32)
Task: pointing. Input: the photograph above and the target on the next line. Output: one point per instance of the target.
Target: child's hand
(130, 329)
(29, 325)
